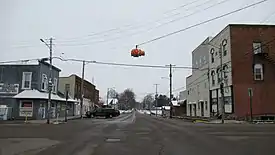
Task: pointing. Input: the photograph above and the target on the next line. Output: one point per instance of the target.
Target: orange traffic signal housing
(137, 52)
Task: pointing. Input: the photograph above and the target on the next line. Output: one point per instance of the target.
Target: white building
(221, 42)
(197, 84)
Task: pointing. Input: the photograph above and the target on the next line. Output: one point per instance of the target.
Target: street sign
(250, 92)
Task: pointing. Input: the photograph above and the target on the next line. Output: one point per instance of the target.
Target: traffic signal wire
(204, 22)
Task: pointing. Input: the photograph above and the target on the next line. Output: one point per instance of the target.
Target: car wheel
(110, 116)
(92, 115)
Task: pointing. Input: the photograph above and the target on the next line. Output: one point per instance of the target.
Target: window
(55, 85)
(257, 47)
(206, 105)
(225, 71)
(26, 80)
(67, 87)
(198, 89)
(44, 83)
(219, 74)
(258, 72)
(204, 60)
(224, 43)
(213, 77)
(212, 54)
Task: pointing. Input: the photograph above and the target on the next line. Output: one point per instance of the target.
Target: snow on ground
(159, 112)
(125, 111)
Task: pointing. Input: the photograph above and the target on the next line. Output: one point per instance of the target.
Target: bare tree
(127, 99)
(147, 101)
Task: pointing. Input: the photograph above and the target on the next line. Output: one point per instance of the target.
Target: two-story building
(197, 84)
(72, 83)
(24, 91)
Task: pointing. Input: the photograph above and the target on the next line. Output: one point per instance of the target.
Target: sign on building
(26, 109)
(6, 88)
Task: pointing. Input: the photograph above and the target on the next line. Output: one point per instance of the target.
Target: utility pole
(50, 78)
(170, 98)
(107, 96)
(66, 104)
(221, 83)
(82, 90)
(156, 98)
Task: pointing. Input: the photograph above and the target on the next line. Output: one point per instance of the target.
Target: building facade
(253, 66)
(241, 58)
(24, 91)
(197, 84)
(73, 85)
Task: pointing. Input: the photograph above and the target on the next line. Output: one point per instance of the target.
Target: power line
(149, 29)
(105, 63)
(130, 26)
(204, 22)
(180, 18)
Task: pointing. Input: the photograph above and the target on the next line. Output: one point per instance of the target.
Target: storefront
(34, 104)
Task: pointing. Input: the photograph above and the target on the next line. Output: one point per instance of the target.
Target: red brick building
(249, 60)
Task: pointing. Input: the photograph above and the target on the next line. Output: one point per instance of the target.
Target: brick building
(242, 57)
(248, 61)
(72, 83)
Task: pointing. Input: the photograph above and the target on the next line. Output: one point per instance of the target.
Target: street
(137, 134)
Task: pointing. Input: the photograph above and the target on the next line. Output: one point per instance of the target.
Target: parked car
(103, 112)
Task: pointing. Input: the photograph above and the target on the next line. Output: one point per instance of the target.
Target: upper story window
(55, 85)
(219, 74)
(225, 71)
(26, 80)
(258, 72)
(44, 83)
(212, 55)
(213, 77)
(204, 59)
(257, 47)
(67, 87)
(224, 43)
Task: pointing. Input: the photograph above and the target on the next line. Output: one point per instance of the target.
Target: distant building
(72, 83)
(24, 91)
(197, 85)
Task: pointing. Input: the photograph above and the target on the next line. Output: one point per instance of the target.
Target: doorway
(202, 108)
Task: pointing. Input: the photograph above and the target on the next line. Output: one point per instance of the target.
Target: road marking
(113, 140)
(234, 138)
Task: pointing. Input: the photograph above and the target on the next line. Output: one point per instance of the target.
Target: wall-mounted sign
(26, 108)
(6, 88)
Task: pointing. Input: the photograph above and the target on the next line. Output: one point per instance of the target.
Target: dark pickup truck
(103, 112)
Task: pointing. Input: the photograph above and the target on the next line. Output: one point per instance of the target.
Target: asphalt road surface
(137, 134)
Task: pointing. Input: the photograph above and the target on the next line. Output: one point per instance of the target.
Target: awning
(35, 94)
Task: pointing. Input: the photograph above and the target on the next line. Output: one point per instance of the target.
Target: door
(190, 109)
(202, 108)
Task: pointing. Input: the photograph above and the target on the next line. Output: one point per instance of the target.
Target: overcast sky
(106, 30)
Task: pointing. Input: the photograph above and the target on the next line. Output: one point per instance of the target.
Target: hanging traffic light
(137, 52)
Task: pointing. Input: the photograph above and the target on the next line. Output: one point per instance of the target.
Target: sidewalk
(52, 120)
